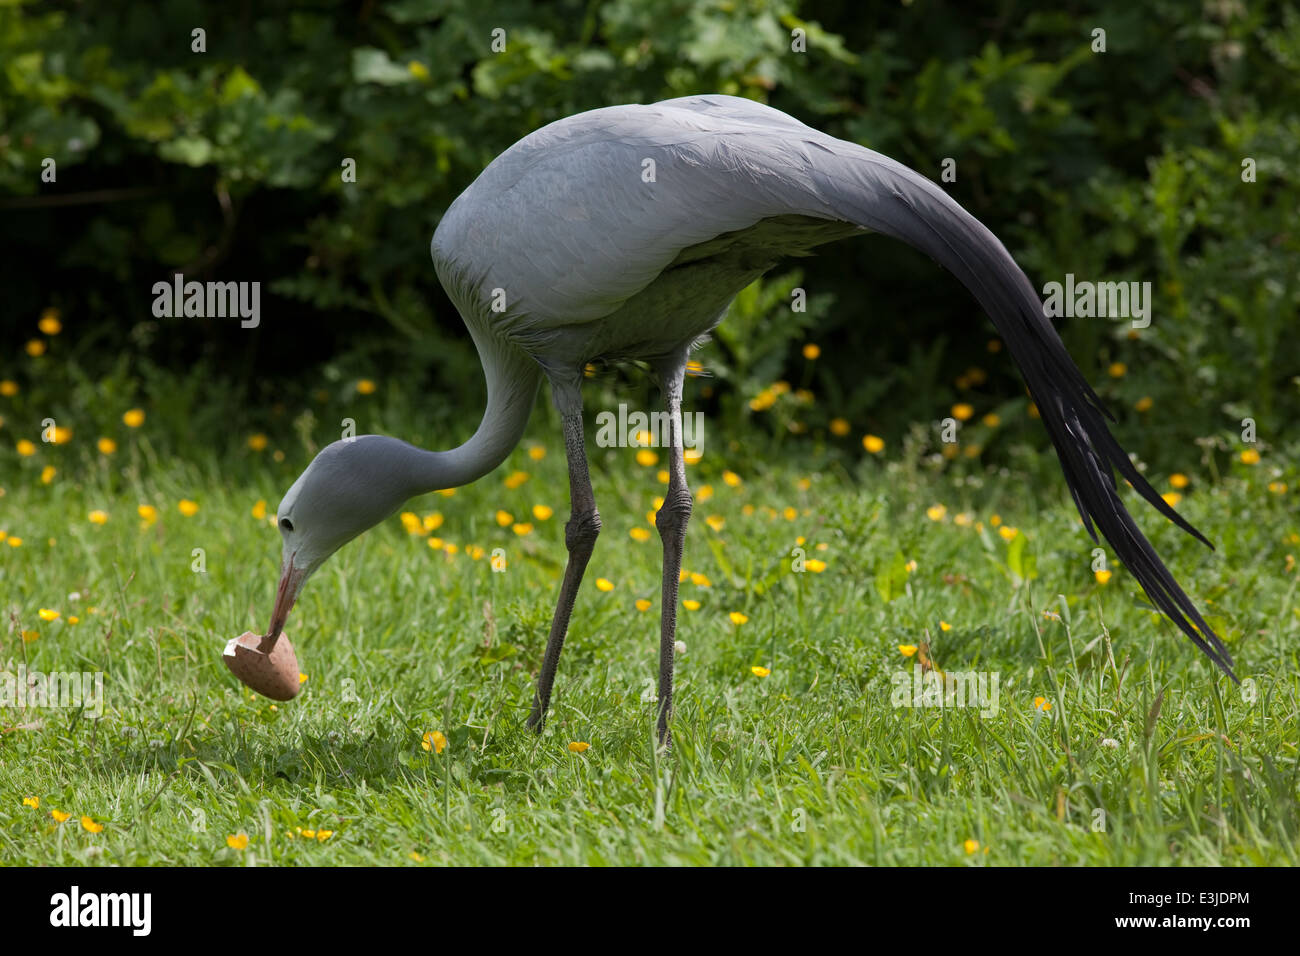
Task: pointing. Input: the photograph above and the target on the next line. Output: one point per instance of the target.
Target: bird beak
(291, 580)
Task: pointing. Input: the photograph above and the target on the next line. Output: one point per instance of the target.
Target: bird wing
(581, 215)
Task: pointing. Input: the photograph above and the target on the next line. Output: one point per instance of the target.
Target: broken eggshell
(274, 675)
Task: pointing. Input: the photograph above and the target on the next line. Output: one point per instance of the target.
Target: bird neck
(512, 380)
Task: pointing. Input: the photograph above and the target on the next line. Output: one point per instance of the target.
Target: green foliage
(1116, 165)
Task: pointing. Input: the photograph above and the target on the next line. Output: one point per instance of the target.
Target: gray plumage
(624, 233)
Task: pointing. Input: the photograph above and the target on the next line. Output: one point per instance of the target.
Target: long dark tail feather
(923, 215)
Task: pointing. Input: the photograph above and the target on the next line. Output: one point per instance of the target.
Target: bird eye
(286, 524)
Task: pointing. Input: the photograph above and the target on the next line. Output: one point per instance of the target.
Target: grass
(1138, 753)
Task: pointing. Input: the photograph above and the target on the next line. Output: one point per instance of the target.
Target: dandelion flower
(25, 448)
(815, 565)
(1117, 370)
(715, 522)
(1008, 532)
(646, 458)
(522, 528)
(1144, 403)
(48, 473)
(945, 626)
(47, 615)
(90, 826)
(259, 509)
(873, 444)
(737, 618)
(8, 388)
(936, 512)
(642, 604)
(731, 479)
(366, 387)
(1172, 498)
(33, 802)
(543, 512)
(758, 671)
(691, 604)
(238, 841)
(106, 446)
(59, 815)
(536, 452)
(971, 847)
(1042, 703)
(1250, 457)
(97, 517)
(639, 534)
(963, 411)
(188, 508)
(907, 650)
(515, 479)
(604, 584)
(133, 418)
(35, 348)
(257, 442)
(435, 740)
(811, 351)
(505, 518)
(578, 746)
(1101, 576)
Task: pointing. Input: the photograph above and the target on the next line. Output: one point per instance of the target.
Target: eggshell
(273, 675)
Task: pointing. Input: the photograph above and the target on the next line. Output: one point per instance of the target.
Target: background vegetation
(1123, 165)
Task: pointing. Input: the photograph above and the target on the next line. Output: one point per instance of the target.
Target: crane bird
(623, 233)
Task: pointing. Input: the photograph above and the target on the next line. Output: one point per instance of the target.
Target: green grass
(811, 764)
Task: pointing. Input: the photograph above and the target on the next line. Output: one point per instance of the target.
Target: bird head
(349, 487)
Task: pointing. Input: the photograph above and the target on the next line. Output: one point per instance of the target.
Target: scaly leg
(671, 521)
(579, 537)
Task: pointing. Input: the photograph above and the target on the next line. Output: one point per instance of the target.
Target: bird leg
(671, 521)
(580, 538)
